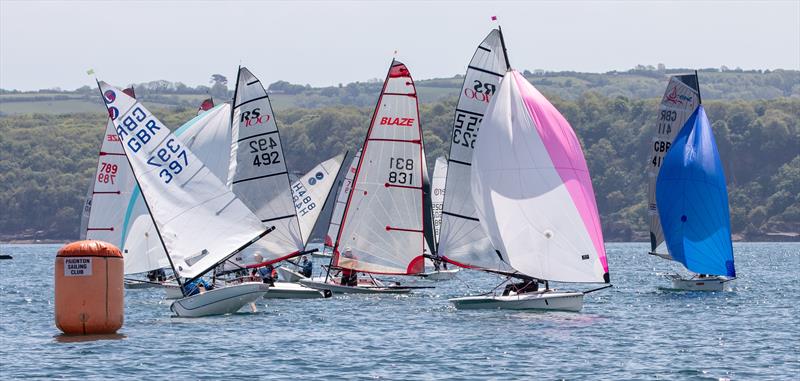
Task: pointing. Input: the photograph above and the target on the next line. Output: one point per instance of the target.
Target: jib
(253, 117)
(386, 121)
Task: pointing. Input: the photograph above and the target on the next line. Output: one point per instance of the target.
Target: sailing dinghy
(198, 220)
(382, 229)
(259, 177)
(534, 199)
(691, 197)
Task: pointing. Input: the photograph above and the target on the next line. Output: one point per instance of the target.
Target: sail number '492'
(264, 153)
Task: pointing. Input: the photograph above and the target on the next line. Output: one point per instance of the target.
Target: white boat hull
(288, 275)
(360, 289)
(545, 301)
(219, 301)
(172, 291)
(713, 283)
(285, 290)
(440, 275)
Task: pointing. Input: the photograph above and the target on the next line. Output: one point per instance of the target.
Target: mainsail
(199, 220)
(341, 201)
(532, 189)
(112, 185)
(680, 99)
(437, 192)
(207, 135)
(258, 174)
(461, 238)
(383, 230)
(310, 192)
(693, 200)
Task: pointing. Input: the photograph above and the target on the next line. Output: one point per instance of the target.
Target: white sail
(679, 102)
(532, 189)
(461, 238)
(199, 219)
(311, 191)
(341, 201)
(86, 211)
(437, 192)
(208, 135)
(382, 228)
(112, 185)
(258, 174)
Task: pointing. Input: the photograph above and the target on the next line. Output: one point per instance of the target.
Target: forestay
(199, 219)
(258, 174)
(532, 188)
(207, 135)
(693, 200)
(382, 228)
(341, 201)
(680, 99)
(461, 238)
(437, 192)
(310, 192)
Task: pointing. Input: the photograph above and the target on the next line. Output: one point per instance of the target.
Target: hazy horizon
(53, 44)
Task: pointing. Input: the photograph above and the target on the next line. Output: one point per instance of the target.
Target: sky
(53, 44)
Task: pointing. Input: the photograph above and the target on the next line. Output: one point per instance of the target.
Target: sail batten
(461, 240)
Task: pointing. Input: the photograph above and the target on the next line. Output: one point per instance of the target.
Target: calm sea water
(635, 330)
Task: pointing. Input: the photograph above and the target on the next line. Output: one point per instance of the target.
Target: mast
(503, 44)
(697, 82)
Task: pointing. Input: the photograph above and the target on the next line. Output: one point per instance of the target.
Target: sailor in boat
(198, 286)
(521, 287)
(349, 277)
(158, 275)
(307, 267)
(268, 274)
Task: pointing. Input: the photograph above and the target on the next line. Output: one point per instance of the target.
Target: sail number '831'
(401, 171)
(466, 129)
(264, 150)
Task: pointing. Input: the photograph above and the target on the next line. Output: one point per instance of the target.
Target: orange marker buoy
(89, 290)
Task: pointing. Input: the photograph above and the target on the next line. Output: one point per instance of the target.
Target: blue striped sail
(692, 201)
